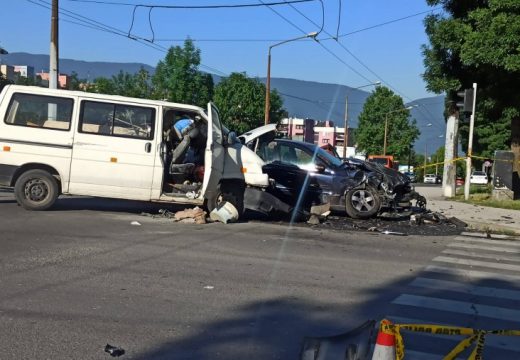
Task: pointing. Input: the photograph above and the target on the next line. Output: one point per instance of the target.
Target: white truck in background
(55, 142)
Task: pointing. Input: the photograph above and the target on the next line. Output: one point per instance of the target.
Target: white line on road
(444, 285)
(497, 257)
(461, 307)
(482, 247)
(477, 263)
(473, 274)
(489, 241)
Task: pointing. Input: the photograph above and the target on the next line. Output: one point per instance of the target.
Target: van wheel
(232, 193)
(36, 190)
(362, 203)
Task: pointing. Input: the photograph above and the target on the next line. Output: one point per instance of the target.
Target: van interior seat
(53, 124)
(90, 128)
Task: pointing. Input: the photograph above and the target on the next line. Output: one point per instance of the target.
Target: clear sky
(390, 53)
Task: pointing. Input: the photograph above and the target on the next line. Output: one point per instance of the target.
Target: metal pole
(470, 143)
(54, 55)
(386, 131)
(345, 133)
(409, 156)
(268, 89)
(425, 159)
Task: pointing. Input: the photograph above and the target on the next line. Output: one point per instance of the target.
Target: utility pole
(425, 159)
(345, 134)
(470, 144)
(268, 90)
(450, 151)
(53, 54)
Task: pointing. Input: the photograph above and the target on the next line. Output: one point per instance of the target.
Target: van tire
(232, 193)
(362, 203)
(36, 190)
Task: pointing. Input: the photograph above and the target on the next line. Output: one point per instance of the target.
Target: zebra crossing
(474, 283)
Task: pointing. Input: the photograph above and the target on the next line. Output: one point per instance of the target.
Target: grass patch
(481, 195)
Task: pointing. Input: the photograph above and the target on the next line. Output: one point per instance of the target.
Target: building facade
(8, 72)
(24, 71)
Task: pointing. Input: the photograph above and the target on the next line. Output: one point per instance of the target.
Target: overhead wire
(228, 6)
(362, 63)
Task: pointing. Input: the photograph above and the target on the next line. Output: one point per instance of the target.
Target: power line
(193, 6)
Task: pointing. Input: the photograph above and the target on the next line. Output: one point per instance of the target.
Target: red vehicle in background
(385, 160)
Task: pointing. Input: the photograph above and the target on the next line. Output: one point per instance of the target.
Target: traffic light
(466, 105)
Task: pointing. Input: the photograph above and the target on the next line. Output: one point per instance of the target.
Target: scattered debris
(387, 232)
(209, 287)
(313, 220)
(352, 345)
(457, 222)
(225, 212)
(373, 228)
(114, 351)
(191, 216)
(135, 223)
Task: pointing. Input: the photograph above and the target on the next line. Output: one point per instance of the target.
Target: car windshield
(479, 173)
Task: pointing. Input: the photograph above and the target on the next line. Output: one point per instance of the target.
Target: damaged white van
(56, 142)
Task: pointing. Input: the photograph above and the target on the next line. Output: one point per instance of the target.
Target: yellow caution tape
(474, 336)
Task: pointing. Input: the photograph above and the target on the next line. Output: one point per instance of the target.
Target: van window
(117, 120)
(38, 111)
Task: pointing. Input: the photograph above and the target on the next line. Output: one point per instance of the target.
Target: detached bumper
(261, 201)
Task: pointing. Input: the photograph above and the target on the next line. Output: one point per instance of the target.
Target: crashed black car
(304, 175)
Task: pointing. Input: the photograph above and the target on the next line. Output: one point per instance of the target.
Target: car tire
(362, 203)
(36, 190)
(232, 193)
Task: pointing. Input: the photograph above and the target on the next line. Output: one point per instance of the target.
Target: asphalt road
(81, 276)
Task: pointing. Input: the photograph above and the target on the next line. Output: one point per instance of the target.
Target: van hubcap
(36, 190)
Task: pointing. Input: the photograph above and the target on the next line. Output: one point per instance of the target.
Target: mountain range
(304, 99)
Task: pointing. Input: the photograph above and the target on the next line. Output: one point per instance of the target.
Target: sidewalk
(476, 216)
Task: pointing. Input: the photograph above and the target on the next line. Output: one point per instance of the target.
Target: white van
(56, 142)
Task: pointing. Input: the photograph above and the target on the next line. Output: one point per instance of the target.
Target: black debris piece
(114, 351)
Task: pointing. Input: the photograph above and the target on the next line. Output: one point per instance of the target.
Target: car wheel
(36, 190)
(362, 203)
(232, 193)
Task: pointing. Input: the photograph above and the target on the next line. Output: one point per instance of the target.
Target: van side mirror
(232, 138)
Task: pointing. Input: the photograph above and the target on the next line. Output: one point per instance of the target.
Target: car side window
(117, 120)
(295, 156)
(38, 111)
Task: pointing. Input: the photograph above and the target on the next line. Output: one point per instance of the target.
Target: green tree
(4, 81)
(125, 84)
(177, 78)
(241, 101)
(102, 85)
(75, 82)
(478, 41)
(380, 105)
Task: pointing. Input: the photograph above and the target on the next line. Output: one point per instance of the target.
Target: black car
(304, 175)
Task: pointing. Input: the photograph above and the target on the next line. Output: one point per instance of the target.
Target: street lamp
(386, 123)
(268, 82)
(345, 127)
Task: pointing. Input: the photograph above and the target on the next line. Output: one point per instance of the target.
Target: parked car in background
(430, 179)
(478, 178)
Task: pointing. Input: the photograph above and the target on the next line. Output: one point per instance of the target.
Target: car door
(214, 154)
(114, 150)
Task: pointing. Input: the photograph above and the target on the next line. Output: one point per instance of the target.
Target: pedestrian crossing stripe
(497, 257)
(468, 262)
(471, 274)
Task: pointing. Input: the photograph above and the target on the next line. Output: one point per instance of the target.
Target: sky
(238, 39)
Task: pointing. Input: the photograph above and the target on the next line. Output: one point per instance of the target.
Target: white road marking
(472, 274)
(461, 307)
(477, 263)
(497, 257)
(489, 241)
(482, 247)
(444, 285)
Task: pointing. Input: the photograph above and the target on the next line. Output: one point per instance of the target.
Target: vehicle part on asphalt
(114, 351)
(225, 212)
(36, 190)
(135, 223)
(387, 232)
(352, 345)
